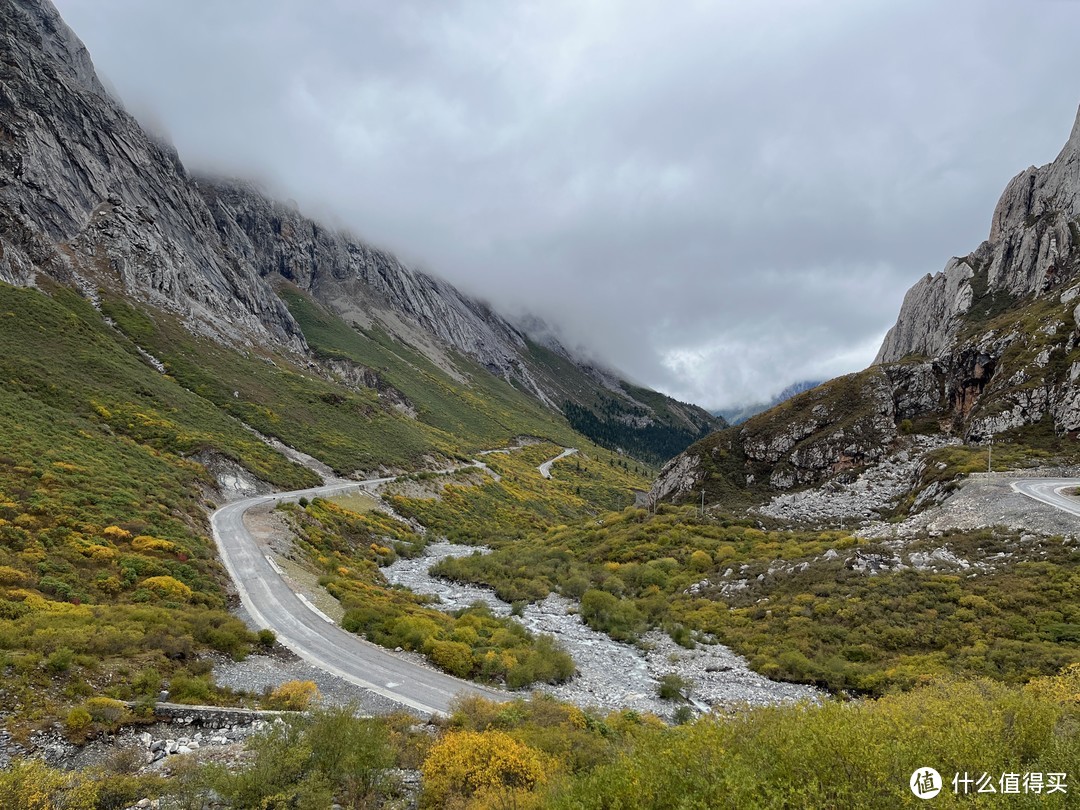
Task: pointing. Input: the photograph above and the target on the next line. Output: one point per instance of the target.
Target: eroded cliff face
(363, 284)
(90, 200)
(988, 346)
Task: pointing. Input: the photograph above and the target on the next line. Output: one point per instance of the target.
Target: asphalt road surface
(545, 468)
(1050, 492)
(309, 633)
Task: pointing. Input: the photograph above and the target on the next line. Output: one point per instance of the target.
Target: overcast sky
(718, 199)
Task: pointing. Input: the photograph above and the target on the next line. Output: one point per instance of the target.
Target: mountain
(736, 416)
(987, 348)
(90, 200)
(172, 343)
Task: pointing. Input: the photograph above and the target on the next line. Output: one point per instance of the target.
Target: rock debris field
(611, 675)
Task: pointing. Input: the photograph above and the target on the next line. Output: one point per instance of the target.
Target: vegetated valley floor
(111, 589)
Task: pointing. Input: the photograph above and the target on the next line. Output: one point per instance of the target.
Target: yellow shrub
(116, 533)
(701, 560)
(470, 764)
(453, 656)
(293, 696)
(105, 710)
(34, 601)
(99, 552)
(78, 719)
(1063, 687)
(32, 785)
(145, 542)
(168, 586)
(12, 576)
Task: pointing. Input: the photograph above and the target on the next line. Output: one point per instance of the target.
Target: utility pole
(989, 455)
(703, 503)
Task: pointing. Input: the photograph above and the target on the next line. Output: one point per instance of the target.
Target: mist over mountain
(92, 200)
(988, 348)
(735, 416)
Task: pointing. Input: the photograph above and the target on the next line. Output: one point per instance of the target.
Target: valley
(287, 521)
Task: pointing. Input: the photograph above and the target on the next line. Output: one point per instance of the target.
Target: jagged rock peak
(58, 42)
(1032, 248)
(1073, 144)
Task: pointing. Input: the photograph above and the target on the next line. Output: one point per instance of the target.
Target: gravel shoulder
(983, 501)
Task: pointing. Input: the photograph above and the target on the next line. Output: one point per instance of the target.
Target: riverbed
(611, 674)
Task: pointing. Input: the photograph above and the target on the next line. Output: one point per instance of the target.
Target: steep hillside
(158, 350)
(89, 199)
(987, 348)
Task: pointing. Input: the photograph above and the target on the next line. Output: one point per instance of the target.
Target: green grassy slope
(109, 582)
(484, 412)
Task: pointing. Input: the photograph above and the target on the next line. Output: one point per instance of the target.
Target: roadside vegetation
(539, 753)
(523, 503)
(348, 548)
(109, 584)
(110, 589)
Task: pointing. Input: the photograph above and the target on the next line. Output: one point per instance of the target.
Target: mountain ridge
(90, 199)
(988, 347)
(735, 416)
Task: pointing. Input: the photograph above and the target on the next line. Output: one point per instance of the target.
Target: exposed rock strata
(988, 346)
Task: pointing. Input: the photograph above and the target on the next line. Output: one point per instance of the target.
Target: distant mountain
(735, 416)
(987, 348)
(90, 200)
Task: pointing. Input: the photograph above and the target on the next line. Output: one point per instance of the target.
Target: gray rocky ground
(982, 502)
(875, 491)
(611, 675)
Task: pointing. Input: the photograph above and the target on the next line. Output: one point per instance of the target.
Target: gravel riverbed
(611, 675)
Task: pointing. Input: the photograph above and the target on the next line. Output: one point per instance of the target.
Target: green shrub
(107, 711)
(672, 687)
(60, 660)
(267, 638)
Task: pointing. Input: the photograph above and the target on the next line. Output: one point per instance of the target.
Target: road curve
(310, 634)
(1049, 491)
(545, 468)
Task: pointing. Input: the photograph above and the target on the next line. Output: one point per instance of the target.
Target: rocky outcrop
(88, 197)
(988, 346)
(1033, 247)
(840, 426)
(928, 313)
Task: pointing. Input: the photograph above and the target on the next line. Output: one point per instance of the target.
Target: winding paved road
(1049, 491)
(545, 468)
(306, 631)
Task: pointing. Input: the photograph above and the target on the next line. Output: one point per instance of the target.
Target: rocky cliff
(89, 199)
(1032, 249)
(988, 347)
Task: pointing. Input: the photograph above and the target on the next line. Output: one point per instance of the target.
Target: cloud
(717, 198)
